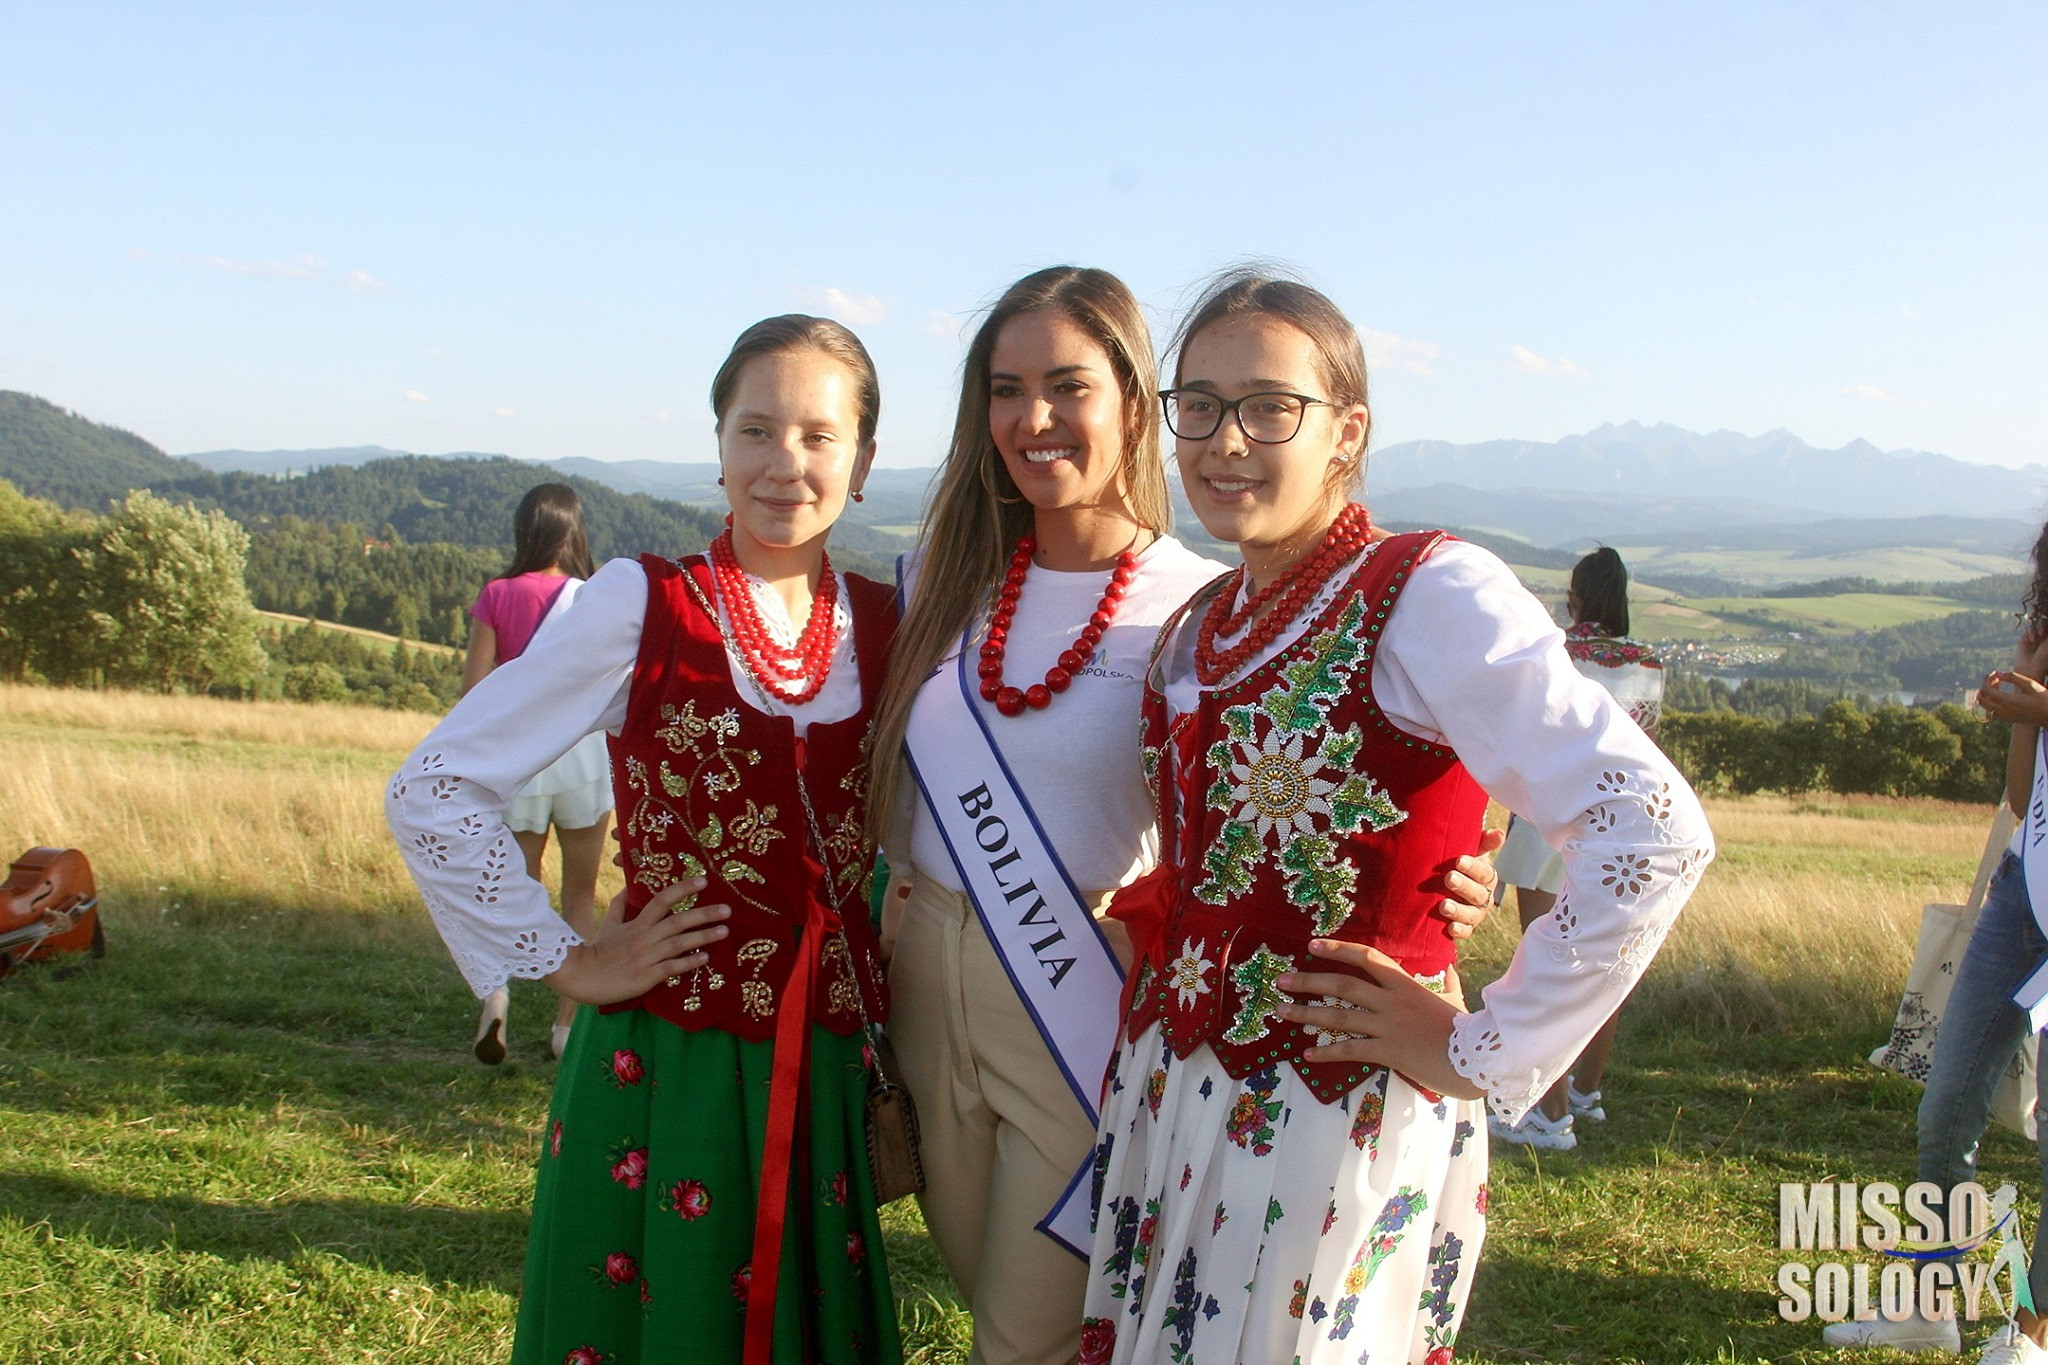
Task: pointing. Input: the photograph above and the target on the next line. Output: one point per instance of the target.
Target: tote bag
(1944, 934)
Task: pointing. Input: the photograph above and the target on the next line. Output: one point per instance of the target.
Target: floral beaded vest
(710, 786)
(1292, 809)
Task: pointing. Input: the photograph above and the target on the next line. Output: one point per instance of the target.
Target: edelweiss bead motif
(1289, 784)
(1188, 974)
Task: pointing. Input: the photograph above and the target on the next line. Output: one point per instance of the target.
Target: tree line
(153, 595)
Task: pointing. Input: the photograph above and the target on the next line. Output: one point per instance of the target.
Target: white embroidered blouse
(446, 804)
(1471, 660)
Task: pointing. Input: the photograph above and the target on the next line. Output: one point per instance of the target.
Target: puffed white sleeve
(1470, 658)
(446, 805)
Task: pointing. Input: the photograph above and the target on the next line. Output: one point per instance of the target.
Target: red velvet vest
(708, 786)
(1293, 809)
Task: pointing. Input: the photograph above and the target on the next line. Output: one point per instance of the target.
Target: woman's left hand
(1395, 1021)
(1471, 882)
(2013, 696)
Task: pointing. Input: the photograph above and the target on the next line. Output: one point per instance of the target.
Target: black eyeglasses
(1271, 419)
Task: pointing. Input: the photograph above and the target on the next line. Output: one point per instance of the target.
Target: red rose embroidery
(743, 1282)
(1480, 1203)
(631, 1169)
(1440, 1356)
(583, 1355)
(626, 1068)
(838, 1195)
(1098, 1340)
(856, 1249)
(555, 1149)
(620, 1268)
(689, 1199)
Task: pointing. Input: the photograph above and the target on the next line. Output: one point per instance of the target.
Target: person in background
(703, 1195)
(550, 561)
(1995, 1004)
(1599, 647)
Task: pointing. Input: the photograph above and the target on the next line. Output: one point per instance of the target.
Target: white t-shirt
(1078, 759)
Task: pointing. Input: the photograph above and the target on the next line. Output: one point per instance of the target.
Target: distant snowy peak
(1776, 468)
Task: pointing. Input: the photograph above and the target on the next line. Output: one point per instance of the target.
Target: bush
(1889, 750)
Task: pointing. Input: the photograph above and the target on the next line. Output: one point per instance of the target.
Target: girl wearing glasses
(1294, 1100)
(1005, 735)
(704, 1191)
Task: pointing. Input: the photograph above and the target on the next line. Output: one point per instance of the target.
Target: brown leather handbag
(893, 1159)
(49, 907)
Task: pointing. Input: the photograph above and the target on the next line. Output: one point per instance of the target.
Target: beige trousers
(1000, 1131)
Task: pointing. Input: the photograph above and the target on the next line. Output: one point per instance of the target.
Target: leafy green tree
(167, 606)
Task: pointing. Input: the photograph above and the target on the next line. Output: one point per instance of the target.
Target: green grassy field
(254, 1132)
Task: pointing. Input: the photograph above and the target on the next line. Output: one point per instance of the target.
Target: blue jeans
(1980, 1032)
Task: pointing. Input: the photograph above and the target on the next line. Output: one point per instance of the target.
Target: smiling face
(1257, 495)
(790, 449)
(1056, 413)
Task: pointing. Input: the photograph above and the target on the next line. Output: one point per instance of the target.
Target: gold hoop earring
(988, 485)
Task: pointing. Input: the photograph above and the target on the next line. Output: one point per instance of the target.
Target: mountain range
(1640, 486)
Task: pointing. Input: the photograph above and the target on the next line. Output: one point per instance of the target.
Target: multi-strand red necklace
(1012, 701)
(1286, 595)
(775, 668)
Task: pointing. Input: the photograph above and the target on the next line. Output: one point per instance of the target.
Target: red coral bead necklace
(772, 666)
(1282, 600)
(1014, 701)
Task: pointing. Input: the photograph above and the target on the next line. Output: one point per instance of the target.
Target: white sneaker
(2010, 1346)
(1914, 1334)
(1550, 1135)
(1585, 1106)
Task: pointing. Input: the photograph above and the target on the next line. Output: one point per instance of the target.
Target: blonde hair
(977, 515)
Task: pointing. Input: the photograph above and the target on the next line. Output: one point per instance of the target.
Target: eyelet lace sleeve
(1551, 745)
(446, 803)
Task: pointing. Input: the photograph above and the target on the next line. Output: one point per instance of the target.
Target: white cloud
(1869, 393)
(363, 282)
(1387, 348)
(1528, 362)
(415, 396)
(660, 417)
(855, 310)
(940, 323)
(503, 412)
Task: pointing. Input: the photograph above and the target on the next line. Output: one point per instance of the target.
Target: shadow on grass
(472, 1248)
(1529, 1309)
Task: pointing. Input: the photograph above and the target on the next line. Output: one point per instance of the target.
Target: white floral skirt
(1248, 1221)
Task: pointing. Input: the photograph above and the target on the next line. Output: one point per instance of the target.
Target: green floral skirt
(643, 1213)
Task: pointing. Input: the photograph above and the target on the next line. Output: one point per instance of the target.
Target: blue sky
(535, 229)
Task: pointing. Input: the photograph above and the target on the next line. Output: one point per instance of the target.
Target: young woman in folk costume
(1292, 1163)
(703, 1192)
(1599, 646)
(1006, 733)
(550, 562)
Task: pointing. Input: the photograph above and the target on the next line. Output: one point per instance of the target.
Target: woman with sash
(2000, 997)
(704, 1192)
(1006, 733)
(1292, 1160)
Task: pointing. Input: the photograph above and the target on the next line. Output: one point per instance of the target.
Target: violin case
(49, 907)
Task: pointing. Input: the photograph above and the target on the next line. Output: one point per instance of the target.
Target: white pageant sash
(2032, 996)
(1048, 942)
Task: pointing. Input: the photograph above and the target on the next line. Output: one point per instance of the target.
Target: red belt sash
(787, 1083)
